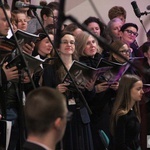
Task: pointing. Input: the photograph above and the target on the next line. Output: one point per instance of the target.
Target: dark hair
(94, 19)
(42, 35)
(126, 25)
(148, 34)
(43, 106)
(116, 45)
(64, 33)
(116, 11)
(71, 27)
(48, 11)
(60, 71)
(43, 3)
(145, 47)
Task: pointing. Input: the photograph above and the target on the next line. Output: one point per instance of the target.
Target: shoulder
(126, 116)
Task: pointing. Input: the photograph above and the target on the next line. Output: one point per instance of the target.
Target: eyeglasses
(68, 116)
(68, 42)
(132, 33)
(54, 17)
(125, 51)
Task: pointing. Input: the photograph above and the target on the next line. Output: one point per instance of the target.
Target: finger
(32, 44)
(14, 72)
(13, 68)
(4, 65)
(28, 46)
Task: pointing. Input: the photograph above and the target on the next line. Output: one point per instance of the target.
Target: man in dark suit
(46, 116)
(11, 102)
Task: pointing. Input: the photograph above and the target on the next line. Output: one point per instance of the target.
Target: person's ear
(120, 34)
(44, 17)
(58, 123)
(145, 54)
(114, 55)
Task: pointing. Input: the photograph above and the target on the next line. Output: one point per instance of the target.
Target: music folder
(82, 73)
(114, 74)
(24, 37)
(32, 62)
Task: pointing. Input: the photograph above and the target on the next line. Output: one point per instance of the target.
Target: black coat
(32, 146)
(77, 134)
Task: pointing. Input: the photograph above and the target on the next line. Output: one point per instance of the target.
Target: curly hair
(102, 26)
(116, 11)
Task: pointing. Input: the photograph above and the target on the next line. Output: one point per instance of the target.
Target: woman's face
(95, 28)
(67, 46)
(124, 51)
(45, 47)
(51, 19)
(121, 17)
(129, 35)
(90, 47)
(115, 29)
(22, 21)
(137, 91)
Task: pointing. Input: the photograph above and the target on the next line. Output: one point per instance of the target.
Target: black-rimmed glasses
(132, 33)
(54, 17)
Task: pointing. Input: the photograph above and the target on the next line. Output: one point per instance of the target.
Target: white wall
(81, 9)
(84, 10)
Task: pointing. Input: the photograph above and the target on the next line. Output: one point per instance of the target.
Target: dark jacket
(32, 146)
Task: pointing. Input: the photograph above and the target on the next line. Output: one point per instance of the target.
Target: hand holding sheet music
(83, 75)
(32, 62)
(114, 74)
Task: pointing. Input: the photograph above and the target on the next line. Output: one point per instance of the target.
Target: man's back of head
(46, 112)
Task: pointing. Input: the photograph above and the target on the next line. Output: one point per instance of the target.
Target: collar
(40, 144)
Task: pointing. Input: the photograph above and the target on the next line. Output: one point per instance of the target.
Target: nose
(91, 44)
(23, 22)
(118, 28)
(94, 30)
(7, 24)
(49, 44)
(142, 91)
